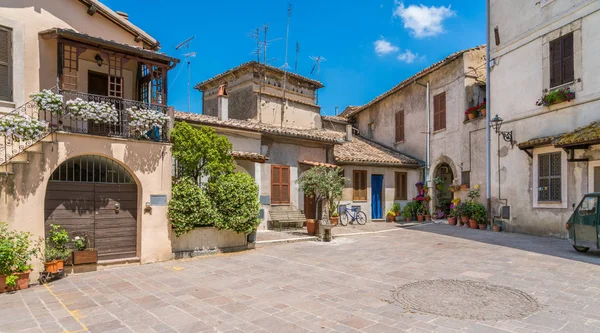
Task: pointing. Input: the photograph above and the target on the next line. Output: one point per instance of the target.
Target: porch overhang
(97, 42)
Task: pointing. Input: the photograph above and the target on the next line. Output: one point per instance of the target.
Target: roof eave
(396, 165)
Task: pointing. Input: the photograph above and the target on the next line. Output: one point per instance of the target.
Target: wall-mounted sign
(158, 200)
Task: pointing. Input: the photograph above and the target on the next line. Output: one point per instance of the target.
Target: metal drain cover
(465, 300)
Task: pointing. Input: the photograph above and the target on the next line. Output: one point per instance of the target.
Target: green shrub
(56, 244)
(190, 207)
(478, 212)
(17, 249)
(409, 210)
(235, 196)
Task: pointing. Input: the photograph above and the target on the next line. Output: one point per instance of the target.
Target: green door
(586, 223)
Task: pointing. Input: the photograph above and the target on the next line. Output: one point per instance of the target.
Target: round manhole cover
(465, 300)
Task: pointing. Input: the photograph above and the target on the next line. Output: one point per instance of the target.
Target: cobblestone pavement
(348, 285)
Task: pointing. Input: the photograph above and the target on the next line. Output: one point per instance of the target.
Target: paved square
(344, 286)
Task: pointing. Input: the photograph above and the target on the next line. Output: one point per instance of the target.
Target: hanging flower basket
(48, 101)
(92, 111)
(142, 120)
(22, 127)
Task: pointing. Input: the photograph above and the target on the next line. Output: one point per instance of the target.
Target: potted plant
(326, 185)
(471, 112)
(396, 208)
(463, 211)
(556, 96)
(496, 226)
(17, 249)
(479, 215)
(482, 109)
(335, 217)
(83, 254)
(452, 216)
(439, 183)
(427, 214)
(56, 252)
(464, 187)
(408, 212)
(390, 215)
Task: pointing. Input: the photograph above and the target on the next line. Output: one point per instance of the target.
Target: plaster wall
(23, 194)
(413, 176)
(34, 59)
(295, 114)
(517, 85)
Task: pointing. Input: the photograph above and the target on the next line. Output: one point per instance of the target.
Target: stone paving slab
(343, 286)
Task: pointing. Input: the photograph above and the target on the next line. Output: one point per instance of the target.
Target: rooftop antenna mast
(318, 60)
(297, 52)
(285, 63)
(188, 55)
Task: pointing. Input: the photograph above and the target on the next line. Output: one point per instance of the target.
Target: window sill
(7, 104)
(438, 131)
(564, 85)
(398, 142)
(550, 205)
(466, 121)
(359, 201)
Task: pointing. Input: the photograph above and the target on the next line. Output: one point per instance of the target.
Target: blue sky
(370, 45)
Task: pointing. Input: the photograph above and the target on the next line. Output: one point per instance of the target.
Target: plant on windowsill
(83, 253)
(483, 109)
(556, 96)
(22, 127)
(48, 101)
(472, 112)
(98, 112)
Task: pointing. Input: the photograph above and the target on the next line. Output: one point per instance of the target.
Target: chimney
(222, 103)
(349, 130)
(123, 15)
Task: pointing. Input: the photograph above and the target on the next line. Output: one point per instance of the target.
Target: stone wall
(207, 240)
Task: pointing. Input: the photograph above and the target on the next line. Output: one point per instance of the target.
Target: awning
(312, 163)
(581, 137)
(100, 42)
(537, 142)
(254, 157)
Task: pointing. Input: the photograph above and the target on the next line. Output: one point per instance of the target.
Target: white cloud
(408, 57)
(383, 47)
(421, 20)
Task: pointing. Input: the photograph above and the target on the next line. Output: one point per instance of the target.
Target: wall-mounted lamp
(496, 124)
(148, 208)
(99, 59)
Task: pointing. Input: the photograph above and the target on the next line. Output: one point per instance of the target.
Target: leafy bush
(323, 183)
(235, 196)
(478, 212)
(17, 248)
(190, 207)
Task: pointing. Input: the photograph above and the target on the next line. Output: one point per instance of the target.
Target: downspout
(488, 171)
(428, 138)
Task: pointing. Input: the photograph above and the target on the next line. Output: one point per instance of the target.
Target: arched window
(91, 169)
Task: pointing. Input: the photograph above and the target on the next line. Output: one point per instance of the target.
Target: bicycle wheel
(344, 219)
(361, 218)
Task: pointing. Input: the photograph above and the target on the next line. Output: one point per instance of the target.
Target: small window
(399, 126)
(359, 185)
(401, 192)
(562, 69)
(588, 206)
(6, 90)
(549, 177)
(439, 112)
(466, 178)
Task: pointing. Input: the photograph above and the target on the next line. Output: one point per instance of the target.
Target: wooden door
(70, 205)
(280, 184)
(310, 207)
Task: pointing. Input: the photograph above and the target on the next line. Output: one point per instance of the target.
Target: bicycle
(346, 215)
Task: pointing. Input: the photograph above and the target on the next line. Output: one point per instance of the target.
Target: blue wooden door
(376, 196)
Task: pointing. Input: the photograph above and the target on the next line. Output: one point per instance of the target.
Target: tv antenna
(297, 52)
(187, 55)
(285, 64)
(318, 60)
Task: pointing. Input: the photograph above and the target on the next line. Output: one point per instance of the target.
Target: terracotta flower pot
(496, 228)
(426, 190)
(482, 226)
(23, 281)
(334, 220)
(427, 217)
(464, 187)
(407, 219)
(311, 227)
(60, 264)
(452, 220)
(483, 111)
(473, 224)
(2, 283)
(471, 116)
(420, 218)
(51, 266)
(464, 219)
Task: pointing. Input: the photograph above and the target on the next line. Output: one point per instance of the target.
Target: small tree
(324, 184)
(190, 207)
(235, 196)
(201, 151)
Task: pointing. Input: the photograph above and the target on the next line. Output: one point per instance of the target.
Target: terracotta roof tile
(244, 155)
(363, 151)
(336, 119)
(540, 141)
(582, 135)
(254, 126)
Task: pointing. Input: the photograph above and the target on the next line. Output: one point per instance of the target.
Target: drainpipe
(428, 139)
(488, 171)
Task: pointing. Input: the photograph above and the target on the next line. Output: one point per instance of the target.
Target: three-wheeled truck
(583, 227)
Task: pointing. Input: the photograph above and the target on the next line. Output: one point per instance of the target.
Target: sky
(369, 45)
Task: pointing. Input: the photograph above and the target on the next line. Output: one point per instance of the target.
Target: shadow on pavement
(543, 245)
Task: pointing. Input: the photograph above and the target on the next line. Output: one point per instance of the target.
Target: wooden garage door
(83, 195)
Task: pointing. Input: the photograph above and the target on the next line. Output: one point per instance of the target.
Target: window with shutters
(399, 126)
(439, 112)
(280, 184)
(549, 177)
(359, 185)
(562, 68)
(401, 188)
(6, 84)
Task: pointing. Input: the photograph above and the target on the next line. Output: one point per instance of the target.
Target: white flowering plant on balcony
(143, 120)
(99, 112)
(22, 127)
(48, 101)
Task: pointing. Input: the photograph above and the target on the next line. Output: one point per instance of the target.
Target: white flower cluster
(48, 101)
(22, 127)
(143, 119)
(94, 111)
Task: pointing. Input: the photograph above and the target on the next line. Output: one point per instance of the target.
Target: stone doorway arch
(442, 194)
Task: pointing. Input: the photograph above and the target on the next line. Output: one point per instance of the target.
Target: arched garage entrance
(95, 196)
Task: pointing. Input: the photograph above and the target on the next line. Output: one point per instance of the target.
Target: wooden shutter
(275, 184)
(400, 186)
(568, 73)
(5, 64)
(285, 184)
(555, 63)
(439, 112)
(359, 185)
(399, 126)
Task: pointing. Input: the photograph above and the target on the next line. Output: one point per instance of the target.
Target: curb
(382, 231)
(287, 240)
